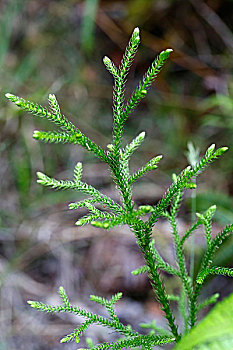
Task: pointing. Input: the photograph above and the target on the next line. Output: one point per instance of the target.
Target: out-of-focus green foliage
(215, 331)
(88, 25)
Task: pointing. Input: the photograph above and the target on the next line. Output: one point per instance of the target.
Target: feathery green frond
(129, 54)
(79, 186)
(62, 122)
(182, 179)
(64, 296)
(76, 332)
(215, 244)
(167, 268)
(54, 106)
(81, 204)
(133, 146)
(147, 341)
(97, 319)
(176, 203)
(180, 258)
(189, 231)
(105, 213)
(205, 219)
(99, 300)
(119, 87)
(109, 304)
(220, 238)
(87, 219)
(57, 137)
(116, 297)
(160, 263)
(140, 270)
(110, 222)
(43, 112)
(151, 165)
(78, 171)
(225, 271)
(99, 213)
(110, 66)
(146, 82)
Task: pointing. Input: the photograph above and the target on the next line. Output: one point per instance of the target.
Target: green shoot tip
(31, 303)
(188, 168)
(220, 151)
(159, 157)
(79, 223)
(39, 174)
(213, 207)
(142, 134)
(110, 147)
(136, 33)
(224, 149)
(8, 95)
(211, 148)
(106, 60)
(165, 53)
(36, 134)
(52, 96)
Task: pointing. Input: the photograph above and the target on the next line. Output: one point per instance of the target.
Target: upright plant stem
(143, 241)
(193, 212)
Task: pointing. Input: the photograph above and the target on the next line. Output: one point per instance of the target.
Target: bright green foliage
(214, 332)
(214, 271)
(105, 213)
(132, 338)
(70, 133)
(151, 165)
(109, 304)
(205, 219)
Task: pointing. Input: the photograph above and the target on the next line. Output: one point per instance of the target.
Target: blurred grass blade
(87, 27)
(8, 15)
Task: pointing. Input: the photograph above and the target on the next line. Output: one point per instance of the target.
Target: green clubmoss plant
(106, 213)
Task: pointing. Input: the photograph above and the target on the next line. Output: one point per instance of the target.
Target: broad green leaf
(214, 332)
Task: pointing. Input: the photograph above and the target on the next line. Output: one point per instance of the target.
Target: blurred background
(57, 47)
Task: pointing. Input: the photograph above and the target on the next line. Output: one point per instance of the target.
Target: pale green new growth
(105, 213)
